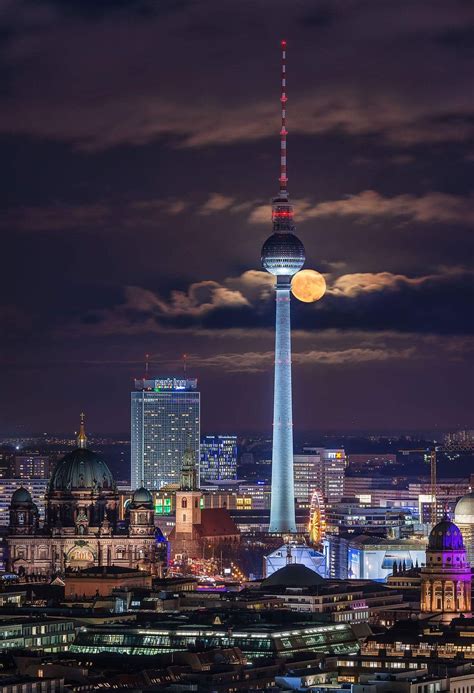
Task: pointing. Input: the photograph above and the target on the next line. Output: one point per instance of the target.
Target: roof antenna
(283, 132)
(147, 359)
(185, 363)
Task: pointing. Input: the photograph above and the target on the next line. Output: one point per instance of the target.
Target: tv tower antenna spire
(283, 131)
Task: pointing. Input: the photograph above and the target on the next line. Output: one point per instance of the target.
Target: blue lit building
(218, 458)
(165, 424)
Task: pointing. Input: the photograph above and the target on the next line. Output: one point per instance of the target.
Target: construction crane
(434, 505)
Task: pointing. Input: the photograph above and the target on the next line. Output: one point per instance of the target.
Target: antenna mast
(283, 132)
(434, 503)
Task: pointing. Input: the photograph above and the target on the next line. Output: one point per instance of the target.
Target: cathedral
(446, 577)
(81, 527)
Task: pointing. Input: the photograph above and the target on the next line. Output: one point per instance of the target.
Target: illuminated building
(218, 458)
(295, 554)
(446, 577)
(6, 460)
(40, 634)
(305, 591)
(32, 466)
(414, 642)
(464, 518)
(81, 527)
(367, 557)
(36, 488)
(282, 255)
(258, 640)
(196, 525)
(355, 517)
(322, 470)
(91, 582)
(165, 423)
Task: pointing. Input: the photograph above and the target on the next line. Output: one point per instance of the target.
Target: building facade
(464, 518)
(37, 488)
(218, 458)
(165, 424)
(321, 470)
(446, 577)
(33, 466)
(81, 528)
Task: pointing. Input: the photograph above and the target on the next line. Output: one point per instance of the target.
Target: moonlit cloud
(253, 362)
(216, 203)
(433, 207)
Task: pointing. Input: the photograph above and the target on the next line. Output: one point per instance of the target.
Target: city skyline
(129, 251)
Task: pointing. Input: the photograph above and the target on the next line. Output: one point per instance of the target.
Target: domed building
(464, 518)
(81, 527)
(446, 577)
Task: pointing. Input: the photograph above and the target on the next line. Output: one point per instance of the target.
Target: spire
(188, 471)
(282, 210)
(283, 132)
(82, 438)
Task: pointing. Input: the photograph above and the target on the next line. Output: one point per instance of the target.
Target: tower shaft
(282, 512)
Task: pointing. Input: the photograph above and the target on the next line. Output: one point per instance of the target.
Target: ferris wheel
(317, 518)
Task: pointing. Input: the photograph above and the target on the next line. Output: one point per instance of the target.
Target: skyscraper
(282, 255)
(165, 424)
(322, 470)
(218, 457)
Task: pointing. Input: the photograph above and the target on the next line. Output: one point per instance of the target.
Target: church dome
(293, 575)
(141, 496)
(445, 536)
(81, 469)
(464, 511)
(20, 496)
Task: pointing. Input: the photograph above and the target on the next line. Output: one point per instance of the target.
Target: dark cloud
(434, 304)
(138, 143)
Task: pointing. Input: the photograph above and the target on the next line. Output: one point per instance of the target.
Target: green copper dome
(79, 470)
(142, 496)
(21, 495)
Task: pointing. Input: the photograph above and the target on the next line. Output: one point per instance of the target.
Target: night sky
(139, 147)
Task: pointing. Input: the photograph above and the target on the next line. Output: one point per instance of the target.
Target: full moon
(308, 286)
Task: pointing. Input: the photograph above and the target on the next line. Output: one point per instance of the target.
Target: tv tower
(283, 256)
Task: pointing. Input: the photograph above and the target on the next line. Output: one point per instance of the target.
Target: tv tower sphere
(283, 254)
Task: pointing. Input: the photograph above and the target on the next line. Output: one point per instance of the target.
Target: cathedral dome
(464, 511)
(445, 536)
(20, 496)
(142, 496)
(81, 469)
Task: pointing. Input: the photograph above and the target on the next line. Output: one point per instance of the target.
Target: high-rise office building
(218, 458)
(322, 470)
(165, 424)
(33, 466)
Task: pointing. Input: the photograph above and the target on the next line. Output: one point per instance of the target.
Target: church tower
(446, 578)
(188, 498)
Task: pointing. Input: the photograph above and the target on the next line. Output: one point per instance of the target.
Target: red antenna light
(283, 132)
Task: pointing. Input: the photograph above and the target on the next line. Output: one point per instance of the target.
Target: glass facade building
(218, 458)
(165, 423)
(255, 642)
